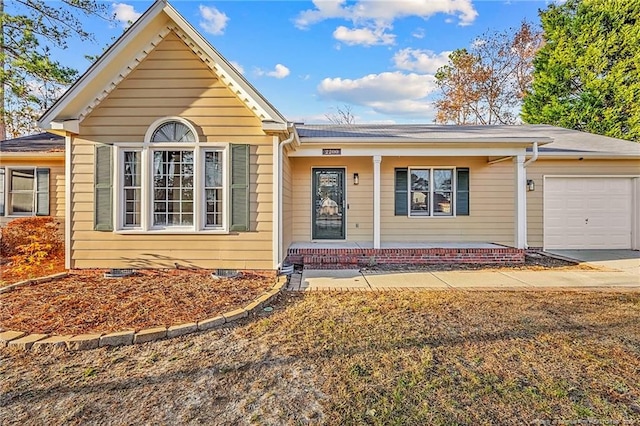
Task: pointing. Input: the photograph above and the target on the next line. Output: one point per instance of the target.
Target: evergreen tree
(30, 79)
(587, 75)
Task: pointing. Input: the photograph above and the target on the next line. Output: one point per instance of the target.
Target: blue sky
(307, 58)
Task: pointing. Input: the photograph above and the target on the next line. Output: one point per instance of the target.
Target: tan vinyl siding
(491, 205)
(491, 202)
(56, 184)
(172, 81)
(586, 167)
(287, 202)
(359, 225)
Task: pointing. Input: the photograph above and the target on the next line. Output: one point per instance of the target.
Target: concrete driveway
(618, 260)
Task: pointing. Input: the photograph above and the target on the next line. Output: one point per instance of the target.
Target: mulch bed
(536, 262)
(86, 302)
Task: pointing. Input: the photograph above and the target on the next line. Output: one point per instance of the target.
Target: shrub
(30, 240)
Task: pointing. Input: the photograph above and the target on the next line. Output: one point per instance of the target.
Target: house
(175, 159)
(32, 177)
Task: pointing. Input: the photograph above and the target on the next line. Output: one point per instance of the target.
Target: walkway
(506, 279)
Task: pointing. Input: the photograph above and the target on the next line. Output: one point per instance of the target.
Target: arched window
(175, 182)
(171, 129)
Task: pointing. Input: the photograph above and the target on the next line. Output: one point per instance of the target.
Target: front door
(328, 204)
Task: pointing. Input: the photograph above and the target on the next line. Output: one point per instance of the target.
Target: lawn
(406, 358)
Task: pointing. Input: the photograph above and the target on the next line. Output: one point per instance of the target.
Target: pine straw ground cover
(87, 302)
(404, 358)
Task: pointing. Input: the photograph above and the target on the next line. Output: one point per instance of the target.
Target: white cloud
(213, 21)
(393, 93)
(423, 61)
(279, 71)
(406, 107)
(237, 66)
(363, 36)
(385, 11)
(418, 33)
(124, 13)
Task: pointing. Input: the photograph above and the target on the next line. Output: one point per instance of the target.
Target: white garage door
(587, 213)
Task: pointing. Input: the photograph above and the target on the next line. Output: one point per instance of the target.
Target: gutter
(280, 207)
(533, 158)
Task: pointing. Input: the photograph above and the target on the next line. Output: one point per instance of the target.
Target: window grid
(22, 191)
(419, 186)
(431, 191)
(132, 188)
(442, 192)
(173, 188)
(213, 189)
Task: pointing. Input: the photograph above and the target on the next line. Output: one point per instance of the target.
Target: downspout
(280, 198)
(534, 157)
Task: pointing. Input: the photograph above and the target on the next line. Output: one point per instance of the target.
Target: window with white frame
(213, 188)
(24, 191)
(132, 188)
(174, 182)
(173, 188)
(429, 191)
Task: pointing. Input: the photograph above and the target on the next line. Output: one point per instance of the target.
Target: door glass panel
(328, 204)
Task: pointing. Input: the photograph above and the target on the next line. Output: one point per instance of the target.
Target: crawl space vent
(225, 273)
(118, 273)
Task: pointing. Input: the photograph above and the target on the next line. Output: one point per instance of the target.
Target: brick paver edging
(22, 340)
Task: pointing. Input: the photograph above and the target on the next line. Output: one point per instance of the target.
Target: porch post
(520, 236)
(377, 159)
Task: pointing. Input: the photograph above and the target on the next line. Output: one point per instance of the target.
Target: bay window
(172, 182)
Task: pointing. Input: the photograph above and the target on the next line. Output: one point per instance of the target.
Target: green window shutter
(401, 191)
(42, 192)
(462, 192)
(239, 187)
(103, 190)
(1, 191)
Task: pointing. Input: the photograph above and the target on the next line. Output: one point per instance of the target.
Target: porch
(324, 255)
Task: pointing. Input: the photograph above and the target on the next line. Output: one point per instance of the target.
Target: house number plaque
(331, 151)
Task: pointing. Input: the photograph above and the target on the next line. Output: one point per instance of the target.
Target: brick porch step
(326, 258)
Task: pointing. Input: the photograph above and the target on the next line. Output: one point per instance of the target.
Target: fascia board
(13, 156)
(434, 141)
(590, 155)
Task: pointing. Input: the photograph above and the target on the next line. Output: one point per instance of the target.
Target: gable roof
(41, 142)
(554, 141)
(130, 50)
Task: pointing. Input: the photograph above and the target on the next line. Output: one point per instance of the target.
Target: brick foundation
(348, 258)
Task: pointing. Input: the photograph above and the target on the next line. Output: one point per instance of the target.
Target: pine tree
(30, 79)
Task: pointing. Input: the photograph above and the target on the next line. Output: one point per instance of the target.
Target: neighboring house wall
(172, 81)
(491, 201)
(586, 167)
(56, 183)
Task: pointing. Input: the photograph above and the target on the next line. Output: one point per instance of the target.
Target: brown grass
(86, 302)
(423, 358)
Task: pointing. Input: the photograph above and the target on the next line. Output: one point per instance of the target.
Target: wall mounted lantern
(531, 185)
(356, 179)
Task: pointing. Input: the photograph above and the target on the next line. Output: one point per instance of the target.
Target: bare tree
(343, 115)
(486, 84)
